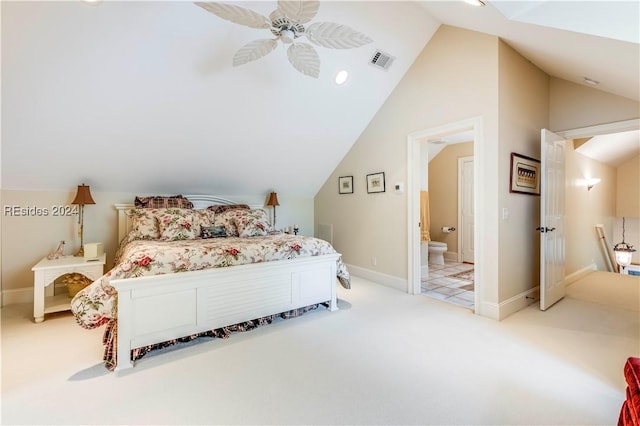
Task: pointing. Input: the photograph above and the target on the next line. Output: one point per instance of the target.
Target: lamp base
(80, 252)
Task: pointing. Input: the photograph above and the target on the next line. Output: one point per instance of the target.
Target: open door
(552, 241)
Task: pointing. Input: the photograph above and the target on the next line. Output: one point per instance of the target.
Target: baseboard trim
(17, 296)
(379, 277)
(518, 302)
(575, 276)
(24, 295)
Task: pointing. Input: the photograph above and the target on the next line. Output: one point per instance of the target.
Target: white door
(552, 241)
(465, 209)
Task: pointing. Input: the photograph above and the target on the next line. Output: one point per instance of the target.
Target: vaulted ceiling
(141, 96)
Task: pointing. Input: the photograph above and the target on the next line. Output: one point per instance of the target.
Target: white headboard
(199, 202)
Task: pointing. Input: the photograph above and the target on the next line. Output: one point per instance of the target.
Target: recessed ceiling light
(475, 2)
(91, 2)
(590, 81)
(341, 77)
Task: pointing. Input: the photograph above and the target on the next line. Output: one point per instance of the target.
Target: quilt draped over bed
(96, 304)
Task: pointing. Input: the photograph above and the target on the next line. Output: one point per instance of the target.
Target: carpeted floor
(385, 357)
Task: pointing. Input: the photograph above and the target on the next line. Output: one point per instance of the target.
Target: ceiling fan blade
(254, 50)
(305, 59)
(236, 14)
(300, 11)
(335, 36)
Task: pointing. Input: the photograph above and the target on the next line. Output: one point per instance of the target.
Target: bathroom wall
(443, 194)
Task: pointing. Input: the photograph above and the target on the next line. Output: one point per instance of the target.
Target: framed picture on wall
(375, 182)
(345, 185)
(525, 175)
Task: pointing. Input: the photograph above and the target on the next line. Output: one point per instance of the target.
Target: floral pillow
(143, 224)
(251, 223)
(202, 218)
(177, 224)
(226, 219)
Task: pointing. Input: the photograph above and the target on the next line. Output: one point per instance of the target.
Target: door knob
(544, 229)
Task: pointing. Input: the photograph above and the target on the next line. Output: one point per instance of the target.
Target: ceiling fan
(287, 24)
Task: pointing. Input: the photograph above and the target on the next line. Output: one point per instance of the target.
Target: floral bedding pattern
(95, 305)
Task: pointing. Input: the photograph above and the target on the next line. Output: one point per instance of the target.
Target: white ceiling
(141, 96)
(612, 149)
(568, 40)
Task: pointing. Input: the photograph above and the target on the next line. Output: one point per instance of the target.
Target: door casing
(414, 141)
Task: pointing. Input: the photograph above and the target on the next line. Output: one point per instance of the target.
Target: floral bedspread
(95, 305)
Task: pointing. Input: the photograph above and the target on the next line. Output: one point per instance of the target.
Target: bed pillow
(202, 218)
(163, 202)
(213, 232)
(144, 225)
(225, 219)
(177, 224)
(251, 223)
(219, 209)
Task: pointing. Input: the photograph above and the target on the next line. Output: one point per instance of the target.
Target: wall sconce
(273, 202)
(83, 196)
(592, 182)
(623, 251)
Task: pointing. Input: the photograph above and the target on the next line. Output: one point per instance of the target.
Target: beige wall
(573, 106)
(453, 79)
(27, 239)
(443, 192)
(524, 101)
(459, 75)
(628, 189)
(584, 209)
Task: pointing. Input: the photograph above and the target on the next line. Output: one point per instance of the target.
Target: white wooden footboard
(157, 308)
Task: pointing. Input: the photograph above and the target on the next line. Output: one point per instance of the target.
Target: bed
(162, 289)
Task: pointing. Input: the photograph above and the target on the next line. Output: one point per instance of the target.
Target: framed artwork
(525, 175)
(375, 182)
(345, 185)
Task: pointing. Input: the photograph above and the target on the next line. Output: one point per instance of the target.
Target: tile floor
(440, 285)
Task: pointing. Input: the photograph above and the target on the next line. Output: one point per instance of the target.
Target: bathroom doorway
(417, 177)
(447, 260)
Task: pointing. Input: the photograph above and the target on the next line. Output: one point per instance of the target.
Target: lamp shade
(273, 199)
(624, 253)
(83, 196)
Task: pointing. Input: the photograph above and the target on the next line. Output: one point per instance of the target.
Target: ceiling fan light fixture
(287, 36)
(288, 23)
(341, 77)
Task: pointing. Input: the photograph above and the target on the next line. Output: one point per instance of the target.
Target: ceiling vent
(381, 60)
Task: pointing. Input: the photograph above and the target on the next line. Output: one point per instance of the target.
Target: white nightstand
(46, 271)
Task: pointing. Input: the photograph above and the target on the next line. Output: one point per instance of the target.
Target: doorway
(415, 142)
(447, 220)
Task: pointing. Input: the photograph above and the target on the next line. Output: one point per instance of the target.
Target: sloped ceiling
(142, 97)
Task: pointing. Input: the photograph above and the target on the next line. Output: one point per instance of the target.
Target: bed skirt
(110, 336)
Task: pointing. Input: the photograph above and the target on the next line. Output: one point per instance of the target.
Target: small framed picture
(525, 175)
(345, 185)
(375, 182)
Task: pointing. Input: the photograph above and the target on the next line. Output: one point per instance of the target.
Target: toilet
(436, 252)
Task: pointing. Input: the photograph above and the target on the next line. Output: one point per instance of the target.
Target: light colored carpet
(610, 289)
(385, 358)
